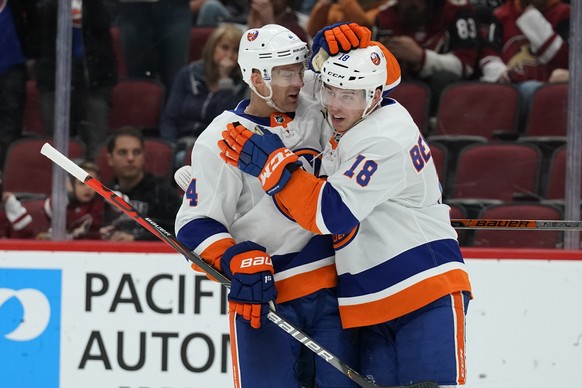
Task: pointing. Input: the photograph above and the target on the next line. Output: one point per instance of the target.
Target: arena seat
(494, 172)
(32, 121)
(27, 171)
(415, 97)
(439, 156)
(137, 103)
(477, 109)
(198, 37)
(556, 183)
(519, 238)
(547, 121)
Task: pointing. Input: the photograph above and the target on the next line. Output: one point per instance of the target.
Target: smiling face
(286, 83)
(344, 106)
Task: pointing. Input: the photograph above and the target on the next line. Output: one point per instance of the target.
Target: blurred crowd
(523, 43)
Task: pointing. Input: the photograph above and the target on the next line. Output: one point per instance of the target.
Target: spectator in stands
(93, 70)
(152, 196)
(16, 22)
(435, 41)
(305, 7)
(527, 41)
(326, 12)
(214, 12)
(15, 221)
(155, 37)
(84, 208)
(276, 12)
(204, 89)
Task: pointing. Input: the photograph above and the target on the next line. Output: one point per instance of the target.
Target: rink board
(108, 319)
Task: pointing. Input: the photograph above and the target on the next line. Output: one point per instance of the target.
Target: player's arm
(490, 61)
(548, 45)
(306, 198)
(246, 264)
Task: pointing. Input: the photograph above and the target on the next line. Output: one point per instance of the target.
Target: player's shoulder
(387, 127)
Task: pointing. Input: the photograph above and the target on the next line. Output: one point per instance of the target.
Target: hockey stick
(76, 171)
(516, 224)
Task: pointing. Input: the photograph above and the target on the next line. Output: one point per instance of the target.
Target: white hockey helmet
(363, 69)
(269, 46)
(265, 48)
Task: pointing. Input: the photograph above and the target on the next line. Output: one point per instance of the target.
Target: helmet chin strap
(268, 99)
(369, 109)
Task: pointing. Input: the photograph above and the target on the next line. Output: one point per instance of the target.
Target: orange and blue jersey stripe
(402, 284)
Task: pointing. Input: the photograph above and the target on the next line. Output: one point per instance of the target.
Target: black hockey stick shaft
(465, 223)
(69, 166)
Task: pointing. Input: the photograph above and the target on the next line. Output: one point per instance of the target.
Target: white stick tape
(60, 159)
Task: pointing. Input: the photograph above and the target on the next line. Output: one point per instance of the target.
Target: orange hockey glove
(264, 156)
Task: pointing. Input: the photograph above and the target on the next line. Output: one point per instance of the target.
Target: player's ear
(256, 78)
(377, 96)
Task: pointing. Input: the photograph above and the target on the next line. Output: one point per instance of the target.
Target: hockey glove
(252, 285)
(339, 37)
(264, 156)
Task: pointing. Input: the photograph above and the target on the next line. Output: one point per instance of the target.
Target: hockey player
(227, 219)
(401, 276)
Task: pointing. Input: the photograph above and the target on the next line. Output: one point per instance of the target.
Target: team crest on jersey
(252, 35)
(311, 160)
(375, 58)
(341, 240)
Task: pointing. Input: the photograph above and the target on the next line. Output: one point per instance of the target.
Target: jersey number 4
(191, 193)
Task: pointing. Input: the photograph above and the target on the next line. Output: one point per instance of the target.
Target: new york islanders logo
(375, 58)
(252, 35)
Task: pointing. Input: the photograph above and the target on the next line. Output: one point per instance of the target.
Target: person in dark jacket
(17, 21)
(203, 89)
(151, 196)
(93, 70)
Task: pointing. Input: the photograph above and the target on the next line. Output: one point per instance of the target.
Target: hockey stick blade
(516, 224)
(76, 171)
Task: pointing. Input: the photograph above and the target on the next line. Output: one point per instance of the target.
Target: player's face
(286, 83)
(344, 106)
(127, 159)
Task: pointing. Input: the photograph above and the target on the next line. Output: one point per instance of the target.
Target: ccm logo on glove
(274, 162)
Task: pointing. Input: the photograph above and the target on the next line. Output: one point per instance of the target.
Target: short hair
(89, 166)
(124, 131)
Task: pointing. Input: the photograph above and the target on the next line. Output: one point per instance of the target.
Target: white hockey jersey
(223, 205)
(396, 250)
